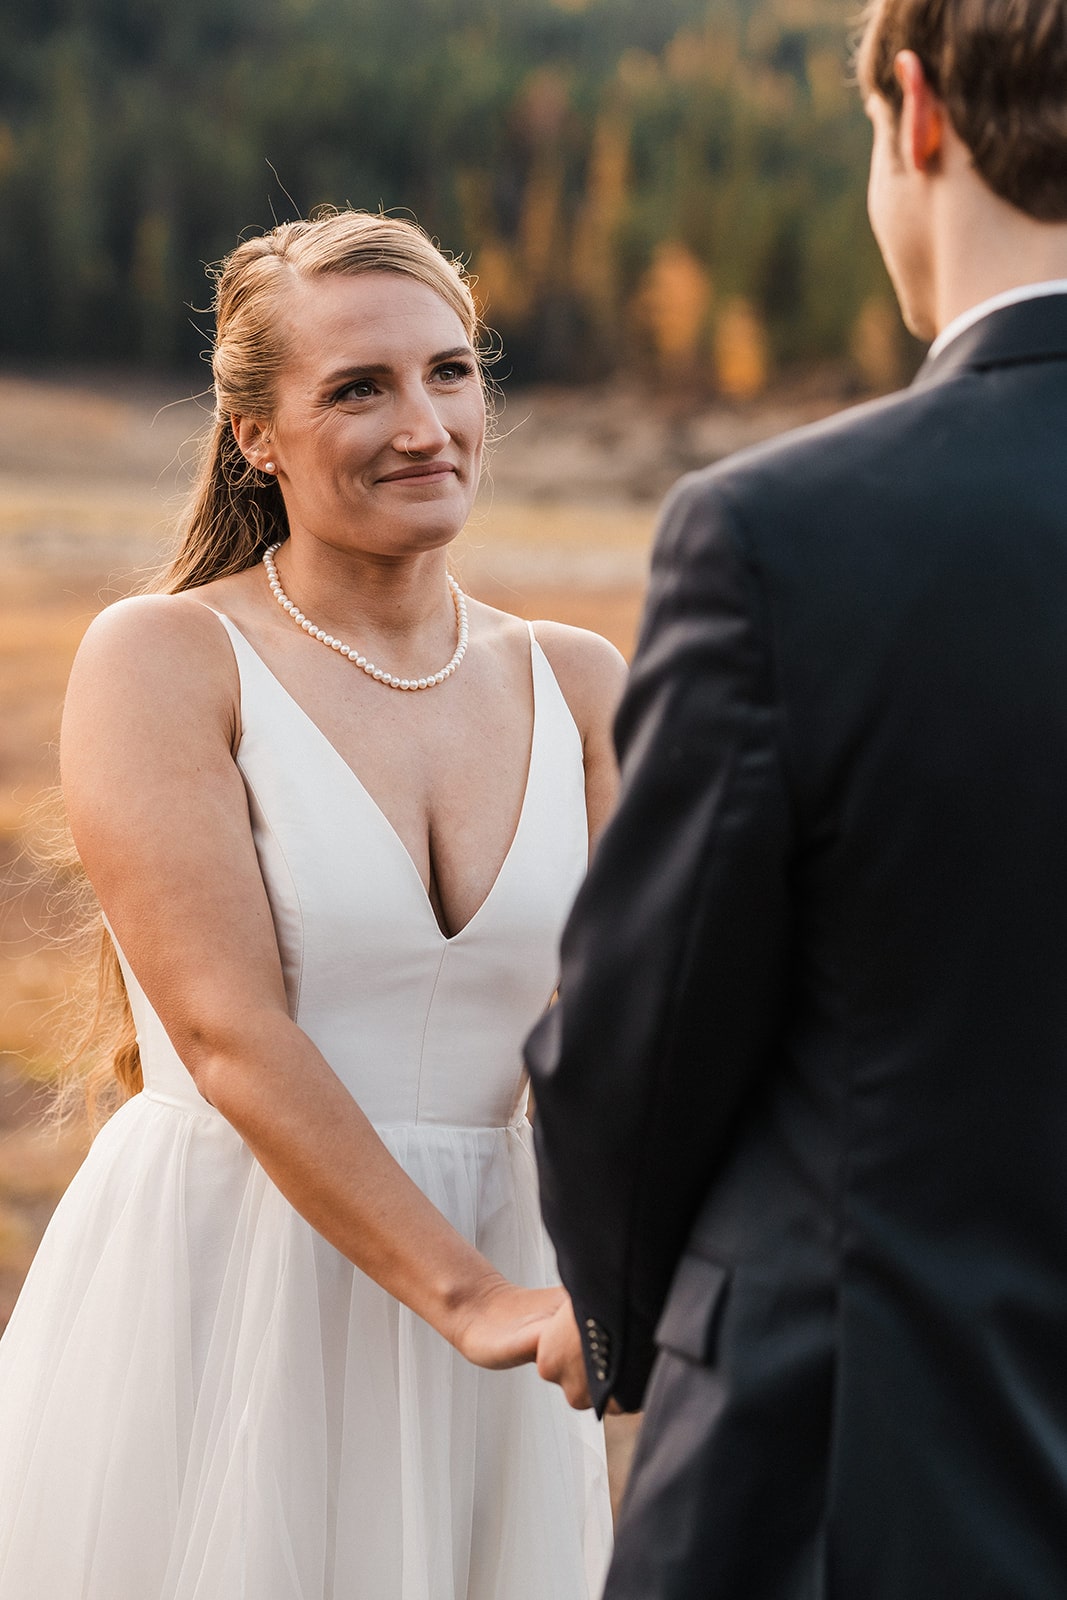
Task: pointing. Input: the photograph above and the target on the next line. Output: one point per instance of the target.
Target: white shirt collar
(1010, 297)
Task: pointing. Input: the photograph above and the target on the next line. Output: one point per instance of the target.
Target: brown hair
(235, 512)
(1000, 67)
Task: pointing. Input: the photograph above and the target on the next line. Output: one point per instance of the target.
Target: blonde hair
(235, 512)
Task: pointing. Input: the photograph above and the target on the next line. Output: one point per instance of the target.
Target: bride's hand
(500, 1324)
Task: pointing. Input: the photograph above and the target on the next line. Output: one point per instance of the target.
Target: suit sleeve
(675, 955)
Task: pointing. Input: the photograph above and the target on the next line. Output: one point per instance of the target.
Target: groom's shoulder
(861, 453)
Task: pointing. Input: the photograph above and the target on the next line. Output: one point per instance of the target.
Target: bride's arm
(160, 818)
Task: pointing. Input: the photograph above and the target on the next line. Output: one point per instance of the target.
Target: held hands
(499, 1325)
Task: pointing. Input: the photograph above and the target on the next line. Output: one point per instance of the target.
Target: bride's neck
(392, 597)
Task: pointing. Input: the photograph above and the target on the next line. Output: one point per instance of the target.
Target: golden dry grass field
(92, 475)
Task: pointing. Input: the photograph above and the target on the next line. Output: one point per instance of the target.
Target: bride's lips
(429, 470)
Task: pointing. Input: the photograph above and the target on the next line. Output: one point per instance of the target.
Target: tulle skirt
(200, 1399)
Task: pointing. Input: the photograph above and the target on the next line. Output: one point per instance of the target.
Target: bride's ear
(252, 441)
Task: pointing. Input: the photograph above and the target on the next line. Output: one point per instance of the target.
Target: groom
(802, 1106)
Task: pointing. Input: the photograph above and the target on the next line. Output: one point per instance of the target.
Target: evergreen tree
(619, 175)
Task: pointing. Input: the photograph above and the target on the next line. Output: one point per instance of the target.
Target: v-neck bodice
(537, 658)
(422, 1028)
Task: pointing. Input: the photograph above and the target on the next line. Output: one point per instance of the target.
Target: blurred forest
(667, 185)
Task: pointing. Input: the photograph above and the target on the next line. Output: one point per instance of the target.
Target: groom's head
(968, 99)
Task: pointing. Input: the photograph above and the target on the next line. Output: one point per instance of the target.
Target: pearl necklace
(459, 600)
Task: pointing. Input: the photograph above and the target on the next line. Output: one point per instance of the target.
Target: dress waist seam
(176, 1103)
(452, 1127)
(205, 1110)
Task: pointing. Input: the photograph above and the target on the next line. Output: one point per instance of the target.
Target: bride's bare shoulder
(588, 668)
(155, 649)
(147, 626)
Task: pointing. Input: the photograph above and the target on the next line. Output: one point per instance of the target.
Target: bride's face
(379, 420)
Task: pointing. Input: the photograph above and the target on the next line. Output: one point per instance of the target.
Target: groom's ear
(921, 125)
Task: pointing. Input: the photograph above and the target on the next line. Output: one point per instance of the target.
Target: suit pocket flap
(689, 1318)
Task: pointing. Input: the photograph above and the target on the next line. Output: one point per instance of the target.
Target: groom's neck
(982, 246)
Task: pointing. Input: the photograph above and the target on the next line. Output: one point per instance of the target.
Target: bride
(276, 1341)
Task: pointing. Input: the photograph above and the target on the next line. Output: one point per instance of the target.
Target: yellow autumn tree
(594, 270)
(540, 115)
(741, 353)
(501, 288)
(672, 304)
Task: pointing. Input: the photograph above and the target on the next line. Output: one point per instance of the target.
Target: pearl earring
(269, 466)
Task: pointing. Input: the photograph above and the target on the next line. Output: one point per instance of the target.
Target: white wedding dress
(200, 1399)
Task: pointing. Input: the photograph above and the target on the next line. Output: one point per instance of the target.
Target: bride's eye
(453, 371)
(359, 389)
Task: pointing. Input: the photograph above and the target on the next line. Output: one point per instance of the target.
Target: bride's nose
(419, 430)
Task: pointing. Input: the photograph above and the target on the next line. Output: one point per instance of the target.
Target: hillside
(673, 192)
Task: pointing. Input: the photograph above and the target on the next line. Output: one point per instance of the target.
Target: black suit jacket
(802, 1105)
